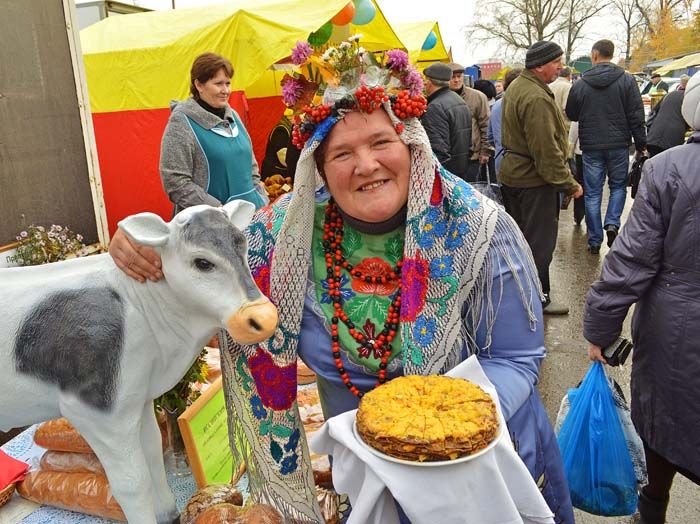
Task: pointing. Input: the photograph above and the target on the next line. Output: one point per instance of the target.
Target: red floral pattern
(436, 195)
(414, 273)
(276, 385)
(261, 275)
(374, 267)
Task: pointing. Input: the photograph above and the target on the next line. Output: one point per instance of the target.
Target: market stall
(684, 65)
(137, 64)
(423, 42)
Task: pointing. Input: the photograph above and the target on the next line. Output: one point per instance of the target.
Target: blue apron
(229, 160)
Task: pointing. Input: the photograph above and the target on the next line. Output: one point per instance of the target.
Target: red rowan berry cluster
(370, 98)
(299, 137)
(406, 106)
(317, 114)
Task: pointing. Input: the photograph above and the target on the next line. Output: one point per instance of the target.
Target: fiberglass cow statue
(82, 340)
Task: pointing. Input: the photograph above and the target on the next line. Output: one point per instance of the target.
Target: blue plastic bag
(596, 459)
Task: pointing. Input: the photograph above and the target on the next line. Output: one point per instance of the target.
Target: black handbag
(616, 353)
(635, 176)
(488, 188)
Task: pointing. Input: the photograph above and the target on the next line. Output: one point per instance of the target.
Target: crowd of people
(388, 181)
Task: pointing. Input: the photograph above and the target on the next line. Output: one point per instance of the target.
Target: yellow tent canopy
(682, 63)
(142, 61)
(378, 35)
(413, 35)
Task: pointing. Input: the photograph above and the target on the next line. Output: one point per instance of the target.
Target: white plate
(428, 464)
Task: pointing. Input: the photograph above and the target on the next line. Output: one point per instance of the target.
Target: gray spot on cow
(74, 339)
(211, 230)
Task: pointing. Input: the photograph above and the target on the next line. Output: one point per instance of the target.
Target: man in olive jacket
(534, 168)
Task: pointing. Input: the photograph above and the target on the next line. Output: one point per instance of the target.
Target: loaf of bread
(82, 492)
(230, 514)
(60, 435)
(214, 494)
(304, 374)
(323, 477)
(259, 514)
(71, 462)
(219, 514)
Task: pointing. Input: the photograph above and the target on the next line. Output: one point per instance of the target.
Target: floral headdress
(348, 78)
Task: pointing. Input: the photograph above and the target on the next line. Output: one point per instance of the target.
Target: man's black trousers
(536, 211)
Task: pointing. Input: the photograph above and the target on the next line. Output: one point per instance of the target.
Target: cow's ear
(240, 213)
(147, 229)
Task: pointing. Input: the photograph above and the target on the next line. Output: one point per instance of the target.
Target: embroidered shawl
(449, 230)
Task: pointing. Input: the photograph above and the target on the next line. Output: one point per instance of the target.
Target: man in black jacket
(447, 121)
(608, 107)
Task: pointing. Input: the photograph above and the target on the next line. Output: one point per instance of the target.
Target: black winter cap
(541, 53)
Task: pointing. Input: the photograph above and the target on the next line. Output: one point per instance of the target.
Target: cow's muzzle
(253, 322)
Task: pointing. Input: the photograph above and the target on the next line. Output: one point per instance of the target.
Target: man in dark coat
(608, 107)
(447, 121)
(668, 126)
(655, 264)
(534, 168)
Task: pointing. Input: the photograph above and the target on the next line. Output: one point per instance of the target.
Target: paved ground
(573, 270)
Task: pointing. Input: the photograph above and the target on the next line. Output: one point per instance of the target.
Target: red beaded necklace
(335, 262)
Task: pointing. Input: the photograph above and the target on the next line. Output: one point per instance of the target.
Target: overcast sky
(452, 17)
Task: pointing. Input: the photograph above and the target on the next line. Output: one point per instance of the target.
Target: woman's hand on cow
(139, 262)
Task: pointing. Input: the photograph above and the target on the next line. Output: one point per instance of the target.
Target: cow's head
(205, 263)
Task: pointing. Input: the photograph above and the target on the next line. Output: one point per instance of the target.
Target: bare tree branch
(576, 14)
(519, 23)
(632, 18)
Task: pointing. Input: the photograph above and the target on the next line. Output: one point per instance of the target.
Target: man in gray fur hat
(534, 169)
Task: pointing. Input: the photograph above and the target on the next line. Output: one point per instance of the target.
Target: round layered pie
(428, 418)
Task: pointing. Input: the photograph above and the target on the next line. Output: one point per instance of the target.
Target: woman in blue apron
(206, 155)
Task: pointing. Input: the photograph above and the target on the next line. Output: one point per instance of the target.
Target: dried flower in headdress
(297, 91)
(291, 90)
(301, 53)
(345, 57)
(397, 60)
(413, 82)
(352, 79)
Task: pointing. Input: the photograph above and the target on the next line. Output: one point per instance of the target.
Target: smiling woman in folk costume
(381, 264)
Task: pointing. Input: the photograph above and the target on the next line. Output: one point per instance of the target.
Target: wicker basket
(6, 494)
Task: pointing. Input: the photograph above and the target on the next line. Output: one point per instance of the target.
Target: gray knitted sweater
(183, 166)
